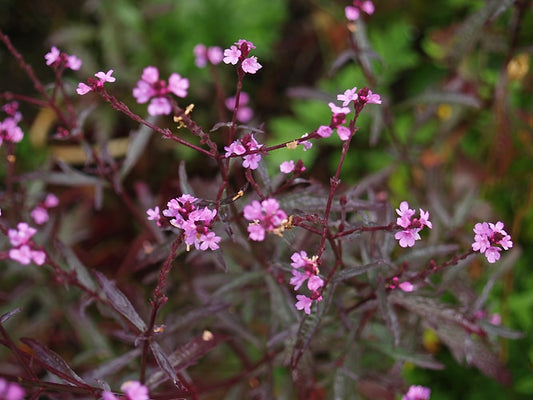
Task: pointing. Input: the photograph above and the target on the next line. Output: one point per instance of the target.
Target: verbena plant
(264, 283)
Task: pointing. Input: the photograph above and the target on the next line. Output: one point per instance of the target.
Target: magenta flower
(411, 226)
(343, 132)
(56, 58)
(365, 96)
(417, 393)
(304, 303)
(203, 54)
(353, 12)
(10, 131)
(39, 215)
(134, 390)
(265, 217)
(21, 235)
(151, 88)
(242, 146)
(95, 84)
(238, 53)
(324, 131)
(348, 96)
(51, 200)
(306, 143)
(488, 239)
(10, 390)
(196, 223)
(406, 286)
(287, 166)
(244, 113)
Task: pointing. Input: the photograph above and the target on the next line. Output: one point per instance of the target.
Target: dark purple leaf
(53, 362)
(119, 301)
(9, 314)
(165, 364)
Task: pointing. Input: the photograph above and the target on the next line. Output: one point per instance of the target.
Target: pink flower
(83, 89)
(159, 106)
(150, 87)
(51, 200)
(353, 13)
(154, 214)
(287, 166)
(135, 390)
(10, 131)
(324, 131)
(52, 56)
(417, 393)
(250, 65)
(304, 303)
(105, 76)
(215, 55)
(343, 132)
(411, 226)
(244, 113)
(315, 282)
(488, 237)
(298, 278)
(265, 217)
(241, 147)
(10, 390)
(73, 62)
(24, 255)
(231, 55)
(21, 235)
(39, 215)
(406, 286)
(348, 96)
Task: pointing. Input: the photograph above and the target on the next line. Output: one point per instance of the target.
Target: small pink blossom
(135, 390)
(287, 166)
(411, 226)
(10, 131)
(51, 200)
(348, 96)
(159, 106)
(406, 286)
(324, 131)
(417, 393)
(178, 85)
(265, 217)
(304, 303)
(56, 58)
(21, 235)
(83, 89)
(343, 132)
(10, 390)
(154, 214)
(487, 239)
(73, 62)
(353, 12)
(241, 146)
(25, 255)
(231, 55)
(306, 143)
(52, 56)
(105, 76)
(250, 65)
(244, 113)
(315, 282)
(39, 215)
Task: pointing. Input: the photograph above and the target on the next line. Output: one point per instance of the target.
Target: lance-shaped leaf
(119, 301)
(400, 354)
(53, 362)
(137, 144)
(113, 366)
(188, 354)
(350, 272)
(5, 317)
(166, 366)
(75, 265)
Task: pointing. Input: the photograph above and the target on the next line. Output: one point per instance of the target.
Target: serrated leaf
(165, 364)
(53, 362)
(5, 317)
(119, 301)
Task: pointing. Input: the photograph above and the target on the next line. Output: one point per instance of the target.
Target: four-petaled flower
(348, 96)
(244, 113)
(203, 54)
(10, 390)
(488, 237)
(56, 58)
(23, 251)
(244, 145)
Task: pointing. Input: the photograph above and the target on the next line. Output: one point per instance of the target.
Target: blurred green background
(457, 120)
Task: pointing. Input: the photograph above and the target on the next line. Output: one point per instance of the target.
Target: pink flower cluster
(265, 217)
(338, 118)
(203, 54)
(488, 237)
(57, 59)
(239, 54)
(244, 113)
(9, 129)
(353, 12)
(10, 390)
(411, 226)
(23, 250)
(194, 221)
(133, 390)
(417, 393)
(40, 212)
(150, 87)
(95, 84)
(242, 146)
(405, 286)
(304, 269)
